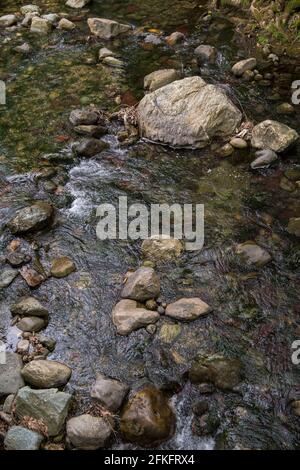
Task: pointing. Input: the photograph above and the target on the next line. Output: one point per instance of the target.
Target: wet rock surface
(166, 115)
(109, 392)
(255, 317)
(128, 316)
(31, 218)
(10, 374)
(141, 285)
(147, 418)
(19, 438)
(49, 406)
(273, 135)
(88, 432)
(187, 309)
(46, 374)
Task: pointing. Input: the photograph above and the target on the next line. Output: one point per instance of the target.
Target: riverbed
(255, 311)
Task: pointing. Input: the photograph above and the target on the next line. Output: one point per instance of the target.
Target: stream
(255, 311)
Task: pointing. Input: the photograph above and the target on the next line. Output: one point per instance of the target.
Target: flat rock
(162, 248)
(263, 159)
(273, 135)
(294, 226)
(10, 374)
(253, 253)
(90, 147)
(206, 53)
(7, 276)
(32, 218)
(160, 78)
(240, 67)
(32, 277)
(29, 306)
(49, 406)
(91, 130)
(84, 116)
(238, 143)
(19, 438)
(127, 317)
(187, 309)
(46, 374)
(88, 432)
(66, 25)
(147, 418)
(107, 29)
(105, 52)
(31, 324)
(62, 267)
(224, 373)
(187, 113)
(17, 258)
(109, 392)
(29, 9)
(112, 62)
(40, 25)
(77, 3)
(142, 285)
(8, 20)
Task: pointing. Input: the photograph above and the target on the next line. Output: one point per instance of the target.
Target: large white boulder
(187, 113)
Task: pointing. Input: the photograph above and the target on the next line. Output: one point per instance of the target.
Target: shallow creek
(256, 315)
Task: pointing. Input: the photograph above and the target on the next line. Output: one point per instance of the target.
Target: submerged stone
(223, 372)
(62, 267)
(147, 418)
(253, 253)
(32, 218)
(187, 309)
(29, 306)
(127, 316)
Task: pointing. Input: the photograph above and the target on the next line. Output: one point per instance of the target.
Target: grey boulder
(10, 373)
(160, 78)
(264, 158)
(109, 392)
(107, 29)
(187, 113)
(31, 218)
(273, 135)
(49, 406)
(19, 438)
(29, 306)
(88, 432)
(142, 285)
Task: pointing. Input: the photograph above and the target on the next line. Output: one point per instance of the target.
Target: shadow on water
(256, 314)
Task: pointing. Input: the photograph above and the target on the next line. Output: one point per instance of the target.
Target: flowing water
(256, 315)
